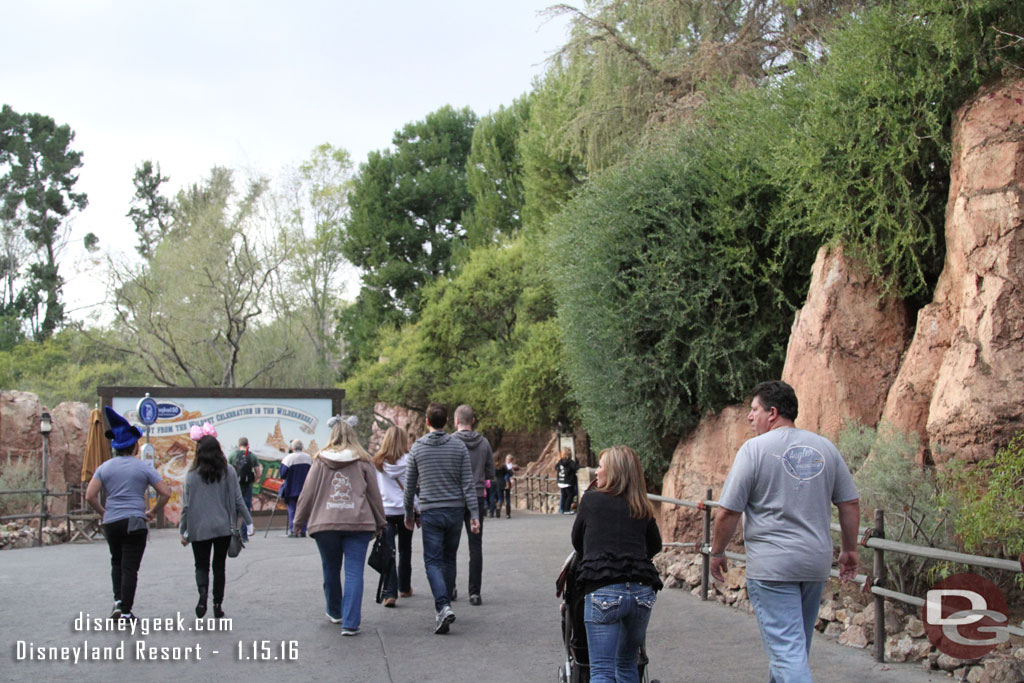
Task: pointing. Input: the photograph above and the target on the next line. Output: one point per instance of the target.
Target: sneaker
(350, 632)
(405, 594)
(116, 611)
(475, 600)
(334, 620)
(128, 617)
(444, 620)
(389, 602)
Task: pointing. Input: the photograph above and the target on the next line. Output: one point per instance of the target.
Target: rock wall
(20, 440)
(959, 387)
(955, 378)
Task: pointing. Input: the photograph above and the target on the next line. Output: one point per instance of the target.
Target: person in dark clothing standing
(566, 469)
(615, 537)
(247, 469)
(481, 460)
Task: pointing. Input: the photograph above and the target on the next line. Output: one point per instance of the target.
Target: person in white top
(390, 461)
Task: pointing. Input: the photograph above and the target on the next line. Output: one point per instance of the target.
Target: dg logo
(966, 616)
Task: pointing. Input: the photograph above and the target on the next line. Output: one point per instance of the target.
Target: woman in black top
(615, 537)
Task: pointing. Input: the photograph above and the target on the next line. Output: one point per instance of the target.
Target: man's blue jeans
(348, 548)
(442, 529)
(616, 617)
(786, 613)
(247, 499)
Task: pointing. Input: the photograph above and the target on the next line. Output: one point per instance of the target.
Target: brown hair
(624, 477)
(392, 447)
(437, 415)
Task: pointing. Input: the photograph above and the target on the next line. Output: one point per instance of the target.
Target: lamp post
(45, 427)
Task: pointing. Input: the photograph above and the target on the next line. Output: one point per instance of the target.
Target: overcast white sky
(251, 85)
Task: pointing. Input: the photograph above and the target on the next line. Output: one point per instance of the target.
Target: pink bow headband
(198, 432)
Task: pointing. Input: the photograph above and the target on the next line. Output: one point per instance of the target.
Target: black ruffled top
(612, 546)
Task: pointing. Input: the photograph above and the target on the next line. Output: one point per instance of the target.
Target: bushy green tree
(674, 299)
(38, 173)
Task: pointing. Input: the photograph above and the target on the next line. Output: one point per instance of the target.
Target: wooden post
(705, 569)
(880, 577)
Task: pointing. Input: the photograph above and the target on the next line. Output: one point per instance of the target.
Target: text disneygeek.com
(140, 650)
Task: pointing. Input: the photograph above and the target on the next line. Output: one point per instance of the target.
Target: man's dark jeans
(126, 551)
(476, 548)
(442, 530)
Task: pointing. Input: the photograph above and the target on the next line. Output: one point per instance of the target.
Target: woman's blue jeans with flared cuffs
(616, 617)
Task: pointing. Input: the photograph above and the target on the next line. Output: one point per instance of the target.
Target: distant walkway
(274, 596)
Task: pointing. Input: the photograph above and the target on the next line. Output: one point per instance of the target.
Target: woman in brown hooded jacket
(342, 508)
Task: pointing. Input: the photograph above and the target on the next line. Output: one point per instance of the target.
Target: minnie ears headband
(198, 432)
(352, 420)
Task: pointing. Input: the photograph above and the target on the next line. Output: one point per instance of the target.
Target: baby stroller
(576, 668)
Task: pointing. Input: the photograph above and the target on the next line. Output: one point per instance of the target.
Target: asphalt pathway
(278, 630)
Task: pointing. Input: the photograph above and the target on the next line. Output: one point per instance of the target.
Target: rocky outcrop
(959, 385)
(20, 440)
(845, 346)
(699, 461)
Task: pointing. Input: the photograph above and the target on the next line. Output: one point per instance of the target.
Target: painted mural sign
(270, 419)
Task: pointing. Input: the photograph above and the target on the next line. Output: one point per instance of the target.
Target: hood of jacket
(437, 438)
(337, 459)
(469, 437)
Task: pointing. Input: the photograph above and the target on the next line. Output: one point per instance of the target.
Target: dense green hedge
(677, 273)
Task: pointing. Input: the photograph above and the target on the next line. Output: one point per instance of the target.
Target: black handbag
(381, 556)
(236, 544)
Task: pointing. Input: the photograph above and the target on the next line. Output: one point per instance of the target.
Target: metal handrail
(875, 540)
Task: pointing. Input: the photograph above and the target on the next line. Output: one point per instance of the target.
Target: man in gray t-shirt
(784, 482)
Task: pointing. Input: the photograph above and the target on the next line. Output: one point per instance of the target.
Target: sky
(251, 85)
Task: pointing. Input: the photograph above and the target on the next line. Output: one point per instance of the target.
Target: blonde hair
(624, 477)
(564, 454)
(344, 437)
(392, 447)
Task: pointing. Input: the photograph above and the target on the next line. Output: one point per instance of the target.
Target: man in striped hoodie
(439, 472)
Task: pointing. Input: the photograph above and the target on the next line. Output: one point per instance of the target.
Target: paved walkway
(275, 600)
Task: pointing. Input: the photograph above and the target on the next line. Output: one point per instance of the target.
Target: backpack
(244, 469)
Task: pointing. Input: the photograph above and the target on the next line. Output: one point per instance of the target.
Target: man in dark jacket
(481, 459)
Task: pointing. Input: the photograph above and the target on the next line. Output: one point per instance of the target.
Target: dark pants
(565, 504)
(476, 549)
(291, 503)
(201, 553)
(400, 579)
(126, 551)
(492, 499)
(247, 499)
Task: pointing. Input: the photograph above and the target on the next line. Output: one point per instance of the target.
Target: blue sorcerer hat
(122, 434)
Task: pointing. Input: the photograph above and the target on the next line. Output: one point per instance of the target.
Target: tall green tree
(38, 172)
(405, 219)
(151, 212)
(312, 207)
(494, 175)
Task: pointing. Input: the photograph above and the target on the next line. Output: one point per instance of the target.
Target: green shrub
(888, 478)
(989, 496)
(673, 299)
(18, 476)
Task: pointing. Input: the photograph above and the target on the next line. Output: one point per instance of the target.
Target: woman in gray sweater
(210, 507)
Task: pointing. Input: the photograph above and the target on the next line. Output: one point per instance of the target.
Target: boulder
(845, 346)
(855, 636)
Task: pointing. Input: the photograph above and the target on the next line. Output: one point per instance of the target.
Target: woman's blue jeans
(348, 548)
(786, 613)
(616, 617)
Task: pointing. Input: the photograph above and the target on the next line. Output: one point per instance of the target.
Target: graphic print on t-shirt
(803, 462)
